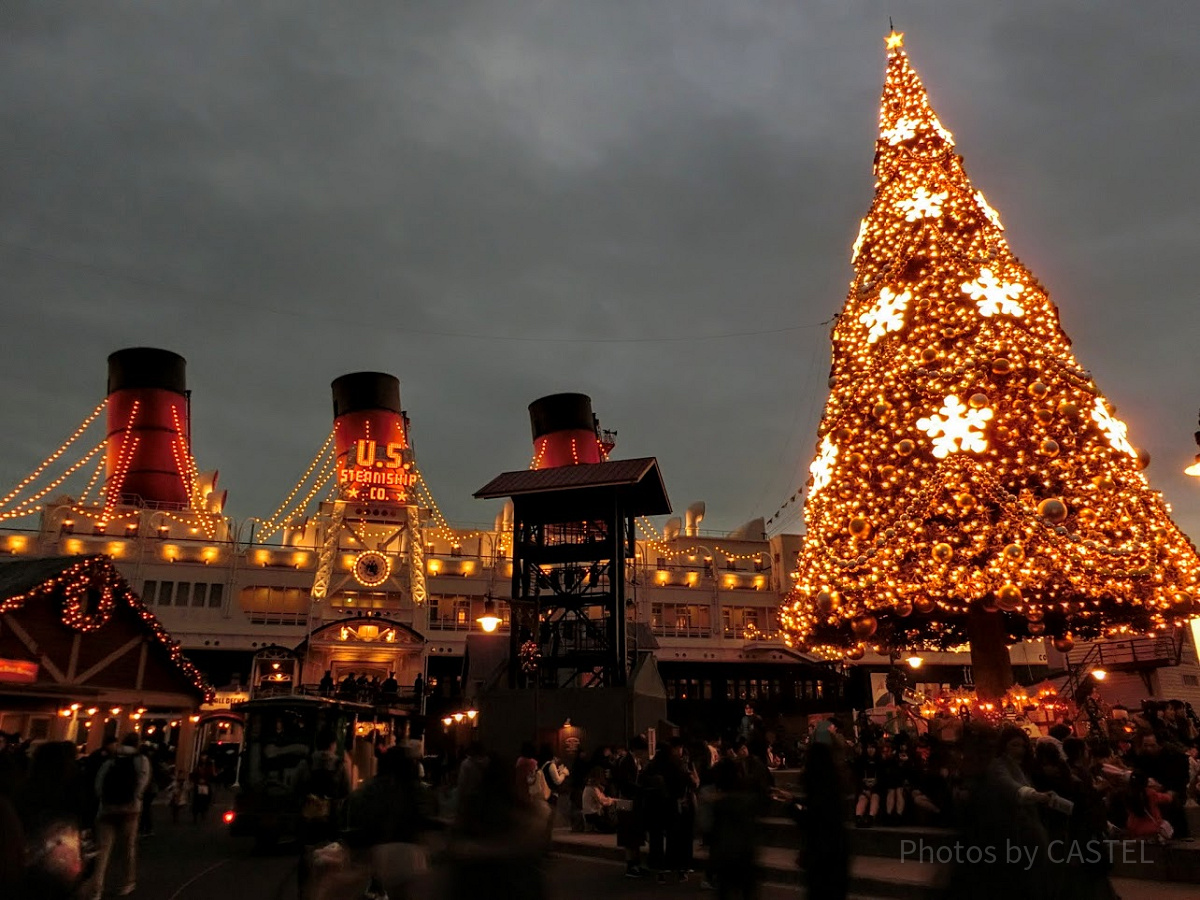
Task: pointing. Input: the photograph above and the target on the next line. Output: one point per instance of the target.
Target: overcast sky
(650, 202)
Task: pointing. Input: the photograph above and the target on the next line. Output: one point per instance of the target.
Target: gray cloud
(287, 192)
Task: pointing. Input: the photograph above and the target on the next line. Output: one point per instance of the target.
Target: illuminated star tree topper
(969, 470)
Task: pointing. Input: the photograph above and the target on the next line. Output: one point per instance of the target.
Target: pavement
(200, 862)
(870, 876)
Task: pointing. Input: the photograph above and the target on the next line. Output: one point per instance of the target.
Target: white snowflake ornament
(957, 428)
(822, 467)
(942, 131)
(887, 314)
(1114, 429)
(993, 296)
(903, 130)
(986, 208)
(923, 205)
(858, 241)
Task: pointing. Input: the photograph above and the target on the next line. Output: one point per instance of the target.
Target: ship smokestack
(148, 455)
(371, 438)
(564, 431)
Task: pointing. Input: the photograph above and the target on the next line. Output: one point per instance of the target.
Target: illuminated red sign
(376, 472)
(18, 671)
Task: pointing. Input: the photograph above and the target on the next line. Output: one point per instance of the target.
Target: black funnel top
(361, 391)
(147, 367)
(561, 412)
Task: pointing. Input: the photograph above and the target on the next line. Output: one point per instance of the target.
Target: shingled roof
(638, 479)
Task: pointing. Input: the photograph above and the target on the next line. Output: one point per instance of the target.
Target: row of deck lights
(457, 718)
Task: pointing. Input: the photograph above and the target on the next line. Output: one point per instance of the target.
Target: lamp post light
(489, 621)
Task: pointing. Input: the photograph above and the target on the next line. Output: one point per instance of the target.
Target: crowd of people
(71, 824)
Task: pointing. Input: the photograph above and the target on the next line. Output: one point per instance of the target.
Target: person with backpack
(120, 784)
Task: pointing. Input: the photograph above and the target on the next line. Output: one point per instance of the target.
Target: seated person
(599, 810)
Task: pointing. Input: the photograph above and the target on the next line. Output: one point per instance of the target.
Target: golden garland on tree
(965, 457)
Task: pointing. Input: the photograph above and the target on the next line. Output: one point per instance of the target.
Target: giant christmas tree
(971, 483)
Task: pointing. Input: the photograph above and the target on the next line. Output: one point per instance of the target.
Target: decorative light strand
(23, 508)
(49, 461)
(316, 461)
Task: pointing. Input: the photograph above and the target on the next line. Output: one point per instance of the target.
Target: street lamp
(489, 621)
(1099, 674)
(914, 662)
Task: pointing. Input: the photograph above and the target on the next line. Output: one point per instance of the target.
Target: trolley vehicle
(281, 738)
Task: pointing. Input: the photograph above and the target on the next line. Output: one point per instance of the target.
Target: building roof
(83, 595)
(638, 480)
(21, 576)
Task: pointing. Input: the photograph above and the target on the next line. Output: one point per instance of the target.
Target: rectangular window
(148, 591)
(199, 593)
(215, 596)
(166, 590)
(183, 593)
(1191, 680)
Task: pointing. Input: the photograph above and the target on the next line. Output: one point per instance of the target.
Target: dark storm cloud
(499, 200)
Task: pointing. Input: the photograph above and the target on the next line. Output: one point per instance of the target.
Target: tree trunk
(990, 661)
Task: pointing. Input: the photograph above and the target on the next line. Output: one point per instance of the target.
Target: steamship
(371, 580)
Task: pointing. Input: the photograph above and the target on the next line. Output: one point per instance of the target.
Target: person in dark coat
(631, 805)
(826, 845)
(733, 836)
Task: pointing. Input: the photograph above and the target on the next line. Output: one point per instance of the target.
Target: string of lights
(323, 477)
(53, 457)
(317, 460)
(27, 506)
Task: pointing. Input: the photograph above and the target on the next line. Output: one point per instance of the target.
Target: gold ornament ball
(1036, 628)
(859, 527)
(903, 609)
(1002, 434)
(1038, 389)
(1001, 366)
(1014, 553)
(881, 410)
(1064, 644)
(1053, 510)
(1143, 459)
(887, 473)
(965, 501)
(1008, 597)
(943, 552)
(1048, 447)
(905, 447)
(864, 626)
(928, 355)
(1044, 416)
(924, 605)
(826, 602)
(832, 381)
(1068, 410)
(1180, 598)
(978, 401)
(855, 459)
(858, 651)
(841, 435)
(1104, 482)
(1087, 516)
